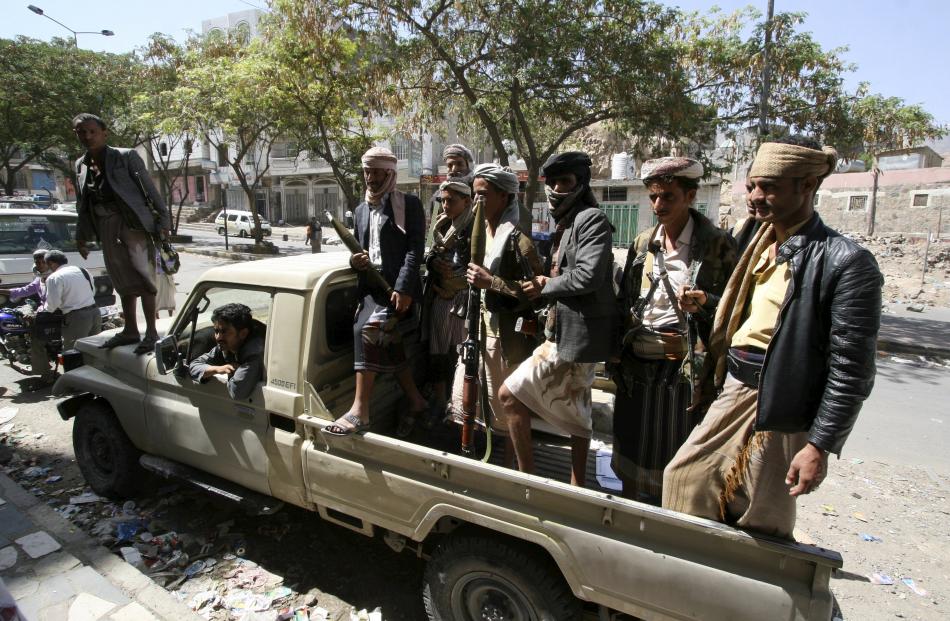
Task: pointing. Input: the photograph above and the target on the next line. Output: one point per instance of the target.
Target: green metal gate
(625, 219)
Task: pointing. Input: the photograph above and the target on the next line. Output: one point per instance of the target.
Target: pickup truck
(499, 544)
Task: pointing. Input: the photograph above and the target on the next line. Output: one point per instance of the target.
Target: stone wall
(839, 201)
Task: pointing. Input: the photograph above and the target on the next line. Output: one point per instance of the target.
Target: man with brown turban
(791, 354)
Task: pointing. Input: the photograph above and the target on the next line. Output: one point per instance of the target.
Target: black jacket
(819, 365)
(402, 252)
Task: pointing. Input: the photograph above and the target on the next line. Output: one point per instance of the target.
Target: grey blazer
(121, 166)
(587, 320)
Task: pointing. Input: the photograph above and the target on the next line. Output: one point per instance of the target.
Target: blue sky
(897, 45)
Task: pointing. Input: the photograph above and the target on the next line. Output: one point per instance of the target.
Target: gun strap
(665, 277)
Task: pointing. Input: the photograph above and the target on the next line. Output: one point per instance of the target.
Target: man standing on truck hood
(390, 226)
(113, 209)
(791, 355)
(555, 381)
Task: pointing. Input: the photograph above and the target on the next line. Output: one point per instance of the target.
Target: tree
(161, 59)
(877, 123)
(45, 86)
(226, 93)
(532, 72)
(327, 81)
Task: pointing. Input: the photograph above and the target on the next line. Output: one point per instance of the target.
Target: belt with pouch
(745, 366)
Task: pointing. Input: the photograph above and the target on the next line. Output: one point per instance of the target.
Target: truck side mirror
(166, 354)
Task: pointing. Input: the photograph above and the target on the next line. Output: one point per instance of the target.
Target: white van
(240, 223)
(22, 231)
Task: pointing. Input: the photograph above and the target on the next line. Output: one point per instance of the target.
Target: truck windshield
(22, 234)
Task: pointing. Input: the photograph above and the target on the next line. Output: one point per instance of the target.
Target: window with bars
(920, 200)
(858, 203)
(401, 148)
(615, 194)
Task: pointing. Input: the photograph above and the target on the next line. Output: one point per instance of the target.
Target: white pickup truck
(499, 544)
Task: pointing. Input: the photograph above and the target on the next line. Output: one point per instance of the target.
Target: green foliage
(881, 123)
(327, 80)
(45, 86)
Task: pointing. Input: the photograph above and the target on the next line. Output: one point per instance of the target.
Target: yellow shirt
(766, 297)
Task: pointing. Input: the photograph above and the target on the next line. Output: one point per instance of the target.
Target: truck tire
(107, 458)
(220, 230)
(242, 233)
(474, 577)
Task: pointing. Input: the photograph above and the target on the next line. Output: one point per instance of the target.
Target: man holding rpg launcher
(390, 231)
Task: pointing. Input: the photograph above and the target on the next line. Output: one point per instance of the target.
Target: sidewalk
(906, 332)
(58, 573)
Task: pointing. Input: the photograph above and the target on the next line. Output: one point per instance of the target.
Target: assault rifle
(471, 345)
(375, 279)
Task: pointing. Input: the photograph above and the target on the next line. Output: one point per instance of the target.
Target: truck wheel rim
(100, 450)
(485, 596)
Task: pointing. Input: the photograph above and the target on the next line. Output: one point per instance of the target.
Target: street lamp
(39, 11)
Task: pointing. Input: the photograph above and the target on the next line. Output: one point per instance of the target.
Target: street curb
(136, 585)
(897, 347)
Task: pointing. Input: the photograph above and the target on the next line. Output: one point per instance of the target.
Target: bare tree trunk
(872, 208)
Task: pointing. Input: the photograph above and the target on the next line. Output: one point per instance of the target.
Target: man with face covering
(390, 225)
(791, 354)
(555, 382)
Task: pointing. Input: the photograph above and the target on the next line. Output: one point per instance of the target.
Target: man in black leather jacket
(791, 356)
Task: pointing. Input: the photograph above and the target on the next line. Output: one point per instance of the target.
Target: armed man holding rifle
(390, 228)
(503, 347)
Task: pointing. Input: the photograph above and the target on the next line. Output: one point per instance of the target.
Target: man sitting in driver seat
(239, 352)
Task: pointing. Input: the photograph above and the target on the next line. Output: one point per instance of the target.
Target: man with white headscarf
(390, 225)
(507, 249)
(791, 354)
(458, 161)
(555, 382)
(687, 256)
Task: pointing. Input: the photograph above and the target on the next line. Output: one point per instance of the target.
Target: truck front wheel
(107, 458)
(472, 577)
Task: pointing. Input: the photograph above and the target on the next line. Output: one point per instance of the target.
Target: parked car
(498, 543)
(24, 230)
(240, 223)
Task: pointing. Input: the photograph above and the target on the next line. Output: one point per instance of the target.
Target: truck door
(200, 424)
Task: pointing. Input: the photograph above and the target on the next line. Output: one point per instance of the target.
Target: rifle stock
(376, 280)
(471, 345)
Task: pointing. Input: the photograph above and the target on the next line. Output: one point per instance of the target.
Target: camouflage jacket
(713, 247)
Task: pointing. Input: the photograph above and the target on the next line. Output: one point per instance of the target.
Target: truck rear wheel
(220, 230)
(107, 458)
(472, 577)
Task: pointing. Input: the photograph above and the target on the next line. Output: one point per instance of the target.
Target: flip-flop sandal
(358, 426)
(120, 339)
(147, 346)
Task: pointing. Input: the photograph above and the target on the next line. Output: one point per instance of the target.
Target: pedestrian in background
(165, 286)
(314, 235)
(69, 289)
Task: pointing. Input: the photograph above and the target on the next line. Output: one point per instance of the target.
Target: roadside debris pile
(902, 262)
(206, 568)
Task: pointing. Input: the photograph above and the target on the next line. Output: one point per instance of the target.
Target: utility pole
(766, 75)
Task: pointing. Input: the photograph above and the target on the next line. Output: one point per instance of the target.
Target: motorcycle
(17, 329)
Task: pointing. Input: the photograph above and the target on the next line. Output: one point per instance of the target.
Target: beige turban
(671, 167)
(456, 186)
(775, 159)
(379, 157)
